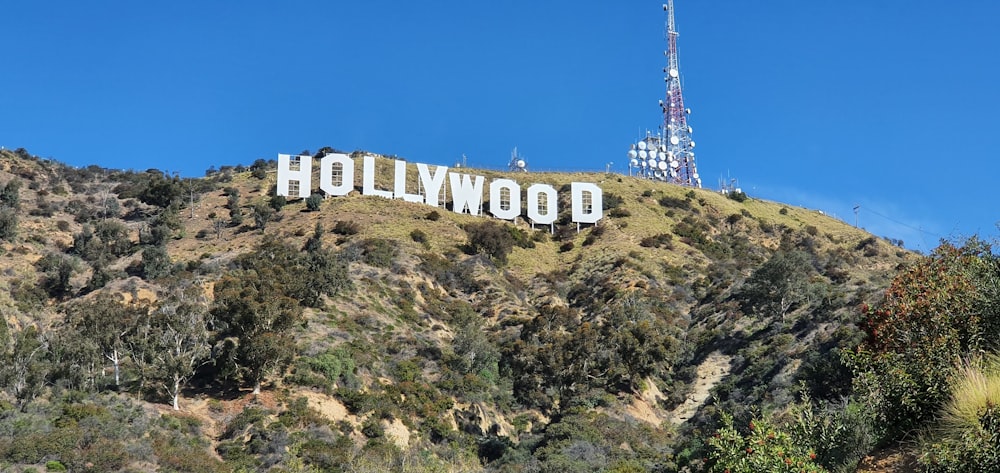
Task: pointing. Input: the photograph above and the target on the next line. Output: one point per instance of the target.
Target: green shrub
(433, 216)
(491, 239)
(313, 202)
(346, 228)
(418, 236)
(53, 465)
(761, 447)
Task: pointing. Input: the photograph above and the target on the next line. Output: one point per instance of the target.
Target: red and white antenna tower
(669, 155)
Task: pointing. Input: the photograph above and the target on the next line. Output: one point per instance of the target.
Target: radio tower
(669, 155)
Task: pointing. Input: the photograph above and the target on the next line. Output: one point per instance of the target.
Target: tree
(107, 323)
(255, 316)
(490, 239)
(262, 214)
(777, 285)
(24, 364)
(180, 341)
(155, 262)
(57, 269)
(8, 223)
(10, 194)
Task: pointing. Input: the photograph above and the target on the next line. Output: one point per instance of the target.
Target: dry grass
(976, 386)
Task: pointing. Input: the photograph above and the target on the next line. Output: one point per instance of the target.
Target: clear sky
(887, 104)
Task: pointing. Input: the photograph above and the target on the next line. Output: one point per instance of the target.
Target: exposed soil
(715, 367)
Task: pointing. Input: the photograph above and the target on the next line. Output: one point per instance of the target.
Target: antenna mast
(669, 156)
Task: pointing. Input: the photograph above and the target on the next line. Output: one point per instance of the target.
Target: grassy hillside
(418, 339)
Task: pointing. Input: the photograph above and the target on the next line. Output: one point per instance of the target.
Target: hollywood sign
(336, 178)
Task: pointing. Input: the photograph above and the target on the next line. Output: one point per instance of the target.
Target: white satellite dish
(663, 147)
(643, 154)
(642, 163)
(690, 130)
(642, 145)
(652, 163)
(688, 111)
(521, 164)
(658, 174)
(692, 144)
(662, 156)
(675, 164)
(674, 140)
(634, 162)
(673, 73)
(632, 154)
(673, 173)
(695, 175)
(662, 165)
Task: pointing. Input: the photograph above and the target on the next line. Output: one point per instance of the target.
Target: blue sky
(887, 104)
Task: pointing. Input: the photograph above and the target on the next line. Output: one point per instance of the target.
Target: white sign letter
(302, 175)
(513, 200)
(400, 184)
(368, 184)
(432, 185)
(346, 184)
(466, 191)
(588, 202)
(550, 203)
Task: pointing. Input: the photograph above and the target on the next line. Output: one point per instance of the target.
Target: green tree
(107, 323)
(10, 194)
(256, 317)
(262, 214)
(25, 365)
(490, 239)
(8, 223)
(155, 262)
(180, 341)
(778, 285)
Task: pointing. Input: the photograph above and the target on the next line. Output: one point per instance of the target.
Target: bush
(761, 447)
(379, 252)
(738, 196)
(418, 236)
(490, 239)
(346, 228)
(433, 216)
(313, 202)
(8, 224)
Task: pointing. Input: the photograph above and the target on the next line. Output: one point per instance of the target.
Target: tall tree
(255, 317)
(180, 341)
(107, 323)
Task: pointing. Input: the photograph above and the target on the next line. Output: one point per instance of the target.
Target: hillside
(416, 339)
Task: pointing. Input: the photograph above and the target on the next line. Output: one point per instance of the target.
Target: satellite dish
(662, 165)
(662, 156)
(690, 130)
(673, 173)
(674, 140)
(642, 145)
(673, 73)
(695, 175)
(675, 164)
(634, 162)
(663, 147)
(643, 154)
(632, 154)
(688, 111)
(652, 163)
(521, 163)
(691, 144)
(642, 163)
(658, 174)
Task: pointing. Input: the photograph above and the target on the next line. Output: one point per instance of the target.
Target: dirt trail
(715, 367)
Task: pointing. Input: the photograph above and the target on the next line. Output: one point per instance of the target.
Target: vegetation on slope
(363, 334)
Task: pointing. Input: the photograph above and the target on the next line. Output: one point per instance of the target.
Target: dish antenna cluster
(517, 162)
(669, 154)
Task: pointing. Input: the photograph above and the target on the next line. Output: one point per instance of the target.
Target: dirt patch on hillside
(890, 460)
(715, 367)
